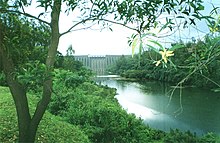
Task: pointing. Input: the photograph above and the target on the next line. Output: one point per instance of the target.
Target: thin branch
(25, 14)
(118, 23)
(84, 28)
(90, 13)
(80, 22)
(180, 110)
(22, 7)
(210, 80)
(190, 74)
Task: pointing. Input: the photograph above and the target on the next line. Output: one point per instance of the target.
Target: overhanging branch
(71, 28)
(89, 19)
(118, 23)
(25, 14)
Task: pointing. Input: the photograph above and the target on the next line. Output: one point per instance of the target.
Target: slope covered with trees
(194, 64)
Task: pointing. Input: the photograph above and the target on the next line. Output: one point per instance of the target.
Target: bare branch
(84, 28)
(118, 23)
(71, 28)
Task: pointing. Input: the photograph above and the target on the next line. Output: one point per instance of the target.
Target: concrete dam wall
(98, 63)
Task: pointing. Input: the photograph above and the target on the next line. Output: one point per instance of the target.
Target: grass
(51, 128)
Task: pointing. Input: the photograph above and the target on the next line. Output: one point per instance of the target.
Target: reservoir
(161, 106)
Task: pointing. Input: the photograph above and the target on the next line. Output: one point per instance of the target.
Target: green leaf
(172, 64)
(192, 5)
(180, 17)
(196, 16)
(156, 43)
(201, 7)
(134, 45)
(110, 29)
(147, 34)
(186, 13)
(214, 10)
(153, 48)
(177, 46)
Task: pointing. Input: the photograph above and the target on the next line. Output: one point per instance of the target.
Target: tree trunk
(27, 125)
(47, 86)
(16, 89)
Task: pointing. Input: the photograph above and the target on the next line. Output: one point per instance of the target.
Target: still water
(197, 110)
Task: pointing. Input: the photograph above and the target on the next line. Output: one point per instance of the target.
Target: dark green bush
(210, 138)
(108, 121)
(2, 79)
(100, 116)
(51, 128)
(68, 79)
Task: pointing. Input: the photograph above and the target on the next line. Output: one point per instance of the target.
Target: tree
(141, 15)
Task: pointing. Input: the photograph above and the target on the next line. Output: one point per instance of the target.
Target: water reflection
(149, 101)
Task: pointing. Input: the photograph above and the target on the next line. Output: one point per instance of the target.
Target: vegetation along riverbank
(83, 111)
(193, 64)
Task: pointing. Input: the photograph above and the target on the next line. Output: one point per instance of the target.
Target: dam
(98, 63)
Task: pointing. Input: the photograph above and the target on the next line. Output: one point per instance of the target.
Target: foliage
(97, 112)
(51, 129)
(31, 75)
(65, 80)
(101, 117)
(21, 33)
(68, 79)
(210, 138)
(199, 59)
(2, 79)
(25, 40)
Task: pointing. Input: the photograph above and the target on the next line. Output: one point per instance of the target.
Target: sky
(96, 42)
(106, 42)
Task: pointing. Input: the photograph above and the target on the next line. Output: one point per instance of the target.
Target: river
(194, 109)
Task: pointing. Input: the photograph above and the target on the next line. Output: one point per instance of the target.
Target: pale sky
(106, 42)
(96, 42)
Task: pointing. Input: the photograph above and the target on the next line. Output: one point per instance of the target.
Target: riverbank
(56, 129)
(185, 67)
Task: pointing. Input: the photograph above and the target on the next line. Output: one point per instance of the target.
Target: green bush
(175, 136)
(108, 121)
(2, 79)
(67, 78)
(100, 116)
(51, 128)
(210, 138)
(95, 110)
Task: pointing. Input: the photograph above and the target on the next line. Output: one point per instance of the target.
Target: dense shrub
(2, 79)
(98, 113)
(95, 110)
(67, 78)
(51, 128)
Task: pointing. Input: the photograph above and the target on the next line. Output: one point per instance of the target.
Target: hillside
(51, 128)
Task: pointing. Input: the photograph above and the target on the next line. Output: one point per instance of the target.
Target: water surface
(194, 109)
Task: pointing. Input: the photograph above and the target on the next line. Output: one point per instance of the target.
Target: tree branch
(71, 28)
(25, 14)
(84, 28)
(118, 23)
